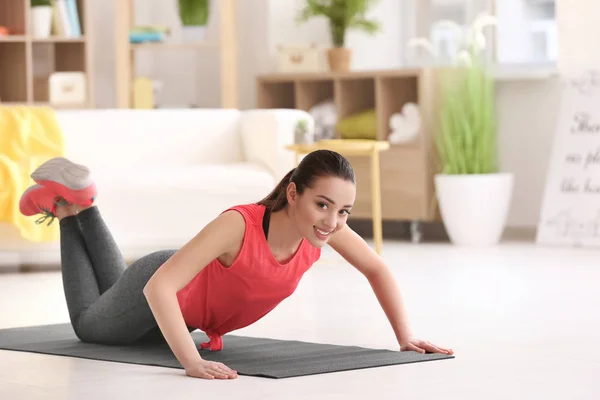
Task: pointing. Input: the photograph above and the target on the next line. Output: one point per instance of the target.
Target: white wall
(385, 49)
(578, 26)
(527, 115)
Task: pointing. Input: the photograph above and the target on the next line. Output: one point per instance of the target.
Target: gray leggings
(104, 296)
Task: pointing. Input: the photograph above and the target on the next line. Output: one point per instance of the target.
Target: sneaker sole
(22, 204)
(67, 179)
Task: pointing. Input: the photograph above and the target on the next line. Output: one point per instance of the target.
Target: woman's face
(323, 209)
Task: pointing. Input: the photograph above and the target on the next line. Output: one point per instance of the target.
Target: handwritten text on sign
(571, 207)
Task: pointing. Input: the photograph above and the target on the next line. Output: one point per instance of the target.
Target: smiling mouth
(323, 233)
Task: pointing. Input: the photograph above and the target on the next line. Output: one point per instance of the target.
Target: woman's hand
(422, 346)
(210, 370)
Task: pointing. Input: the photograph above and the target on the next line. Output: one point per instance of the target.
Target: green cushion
(362, 125)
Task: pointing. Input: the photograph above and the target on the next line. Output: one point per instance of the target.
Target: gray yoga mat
(259, 357)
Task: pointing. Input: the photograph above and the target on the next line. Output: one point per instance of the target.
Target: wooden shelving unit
(407, 170)
(22, 79)
(227, 45)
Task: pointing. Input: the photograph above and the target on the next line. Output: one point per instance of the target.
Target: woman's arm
(358, 253)
(223, 235)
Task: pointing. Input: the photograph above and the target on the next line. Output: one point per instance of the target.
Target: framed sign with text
(570, 214)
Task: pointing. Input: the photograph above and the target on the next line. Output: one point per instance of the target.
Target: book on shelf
(148, 33)
(65, 20)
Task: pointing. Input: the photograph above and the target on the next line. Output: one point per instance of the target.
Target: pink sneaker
(72, 182)
(38, 199)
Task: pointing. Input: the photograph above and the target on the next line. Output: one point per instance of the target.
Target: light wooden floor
(524, 322)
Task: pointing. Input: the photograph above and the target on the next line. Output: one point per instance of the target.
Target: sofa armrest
(265, 133)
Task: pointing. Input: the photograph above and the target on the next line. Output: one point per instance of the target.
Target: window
(525, 33)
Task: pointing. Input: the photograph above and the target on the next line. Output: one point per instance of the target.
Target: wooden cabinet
(407, 169)
(26, 62)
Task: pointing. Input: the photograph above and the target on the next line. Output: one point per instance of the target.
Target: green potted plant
(41, 18)
(194, 18)
(474, 195)
(342, 16)
(302, 133)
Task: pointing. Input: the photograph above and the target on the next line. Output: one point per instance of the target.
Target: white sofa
(162, 175)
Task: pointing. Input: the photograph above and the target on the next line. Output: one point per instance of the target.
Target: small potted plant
(194, 18)
(301, 133)
(41, 18)
(342, 15)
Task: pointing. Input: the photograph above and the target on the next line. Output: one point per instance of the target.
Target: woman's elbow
(377, 271)
(152, 287)
(147, 290)
(158, 285)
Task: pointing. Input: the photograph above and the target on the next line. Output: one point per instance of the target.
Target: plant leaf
(370, 27)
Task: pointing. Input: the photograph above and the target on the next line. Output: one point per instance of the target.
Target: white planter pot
(41, 21)
(474, 208)
(192, 34)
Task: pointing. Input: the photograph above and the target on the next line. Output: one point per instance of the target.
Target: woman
(231, 274)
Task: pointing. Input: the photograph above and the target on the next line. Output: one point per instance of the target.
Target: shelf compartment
(392, 93)
(41, 89)
(12, 16)
(13, 85)
(50, 57)
(60, 56)
(354, 95)
(276, 95)
(69, 57)
(311, 93)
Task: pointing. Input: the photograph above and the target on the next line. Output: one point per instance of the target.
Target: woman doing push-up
(232, 273)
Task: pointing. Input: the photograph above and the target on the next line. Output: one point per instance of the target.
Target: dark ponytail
(277, 199)
(319, 163)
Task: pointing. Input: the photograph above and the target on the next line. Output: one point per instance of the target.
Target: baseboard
(520, 233)
(400, 230)
(431, 231)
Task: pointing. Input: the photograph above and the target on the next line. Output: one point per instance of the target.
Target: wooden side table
(362, 148)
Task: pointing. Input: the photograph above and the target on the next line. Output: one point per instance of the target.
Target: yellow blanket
(28, 137)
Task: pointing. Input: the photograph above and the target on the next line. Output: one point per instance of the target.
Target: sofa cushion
(209, 178)
(165, 136)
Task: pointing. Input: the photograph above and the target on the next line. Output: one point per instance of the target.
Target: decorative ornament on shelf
(149, 33)
(474, 196)
(325, 116)
(41, 18)
(342, 16)
(406, 125)
(67, 89)
(194, 18)
(300, 58)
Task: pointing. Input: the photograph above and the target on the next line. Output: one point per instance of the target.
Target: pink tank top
(222, 299)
